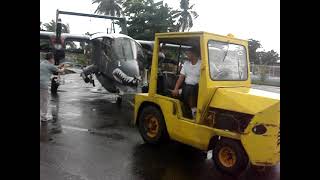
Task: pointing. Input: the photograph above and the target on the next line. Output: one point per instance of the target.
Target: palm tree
(186, 15)
(108, 7)
(51, 26)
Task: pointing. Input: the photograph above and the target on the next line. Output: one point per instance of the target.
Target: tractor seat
(166, 82)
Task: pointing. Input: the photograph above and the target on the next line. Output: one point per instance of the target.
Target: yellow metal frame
(230, 95)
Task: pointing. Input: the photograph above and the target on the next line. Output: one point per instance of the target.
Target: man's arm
(56, 69)
(179, 82)
(60, 70)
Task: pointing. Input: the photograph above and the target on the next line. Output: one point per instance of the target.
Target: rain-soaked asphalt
(90, 138)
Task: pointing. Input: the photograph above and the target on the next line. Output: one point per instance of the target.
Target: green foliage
(78, 58)
(263, 71)
(253, 54)
(185, 15)
(145, 18)
(108, 7)
(81, 59)
(51, 27)
(269, 57)
(261, 57)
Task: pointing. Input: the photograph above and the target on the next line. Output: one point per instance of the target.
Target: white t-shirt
(192, 72)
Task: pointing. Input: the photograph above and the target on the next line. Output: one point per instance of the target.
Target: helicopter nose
(127, 73)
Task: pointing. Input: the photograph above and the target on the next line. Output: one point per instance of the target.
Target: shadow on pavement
(181, 162)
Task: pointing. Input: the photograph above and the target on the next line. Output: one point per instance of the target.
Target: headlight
(259, 129)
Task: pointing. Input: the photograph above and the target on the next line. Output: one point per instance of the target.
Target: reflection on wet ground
(54, 125)
(91, 138)
(44, 136)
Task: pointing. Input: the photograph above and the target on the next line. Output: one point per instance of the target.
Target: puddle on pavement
(44, 135)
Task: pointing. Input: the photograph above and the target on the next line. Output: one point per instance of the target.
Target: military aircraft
(115, 62)
(115, 58)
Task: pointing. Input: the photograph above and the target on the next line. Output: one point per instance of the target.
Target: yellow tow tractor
(239, 124)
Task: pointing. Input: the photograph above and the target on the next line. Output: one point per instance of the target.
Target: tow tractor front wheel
(152, 126)
(230, 157)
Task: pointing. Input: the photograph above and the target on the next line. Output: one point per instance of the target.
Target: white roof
(113, 35)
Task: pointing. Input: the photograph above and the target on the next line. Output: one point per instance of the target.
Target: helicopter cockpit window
(107, 46)
(139, 50)
(123, 49)
(134, 48)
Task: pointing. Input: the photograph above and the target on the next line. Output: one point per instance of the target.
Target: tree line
(262, 57)
(146, 17)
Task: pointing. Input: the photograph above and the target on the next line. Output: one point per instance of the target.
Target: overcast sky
(257, 19)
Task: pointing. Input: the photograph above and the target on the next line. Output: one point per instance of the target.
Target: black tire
(234, 165)
(149, 115)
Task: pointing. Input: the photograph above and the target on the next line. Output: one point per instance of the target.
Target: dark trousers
(190, 94)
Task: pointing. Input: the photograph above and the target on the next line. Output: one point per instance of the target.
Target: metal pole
(57, 15)
(122, 20)
(178, 60)
(90, 15)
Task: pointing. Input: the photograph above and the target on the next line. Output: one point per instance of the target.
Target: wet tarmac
(91, 138)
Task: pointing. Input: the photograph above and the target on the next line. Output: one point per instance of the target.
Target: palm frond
(190, 22)
(176, 11)
(176, 15)
(195, 14)
(95, 1)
